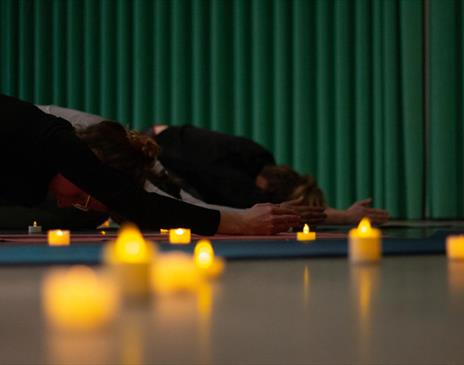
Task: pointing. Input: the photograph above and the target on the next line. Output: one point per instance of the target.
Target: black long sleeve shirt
(35, 146)
(221, 168)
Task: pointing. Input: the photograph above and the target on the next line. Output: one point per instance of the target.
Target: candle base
(34, 229)
(455, 248)
(78, 299)
(215, 270)
(133, 279)
(305, 236)
(180, 236)
(364, 250)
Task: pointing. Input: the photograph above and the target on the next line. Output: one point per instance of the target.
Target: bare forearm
(231, 223)
(336, 216)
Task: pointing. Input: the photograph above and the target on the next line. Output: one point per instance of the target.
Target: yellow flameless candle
(78, 299)
(364, 243)
(175, 272)
(206, 261)
(179, 236)
(455, 247)
(58, 237)
(130, 257)
(306, 235)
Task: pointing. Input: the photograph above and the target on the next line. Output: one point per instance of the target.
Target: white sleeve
(186, 197)
(77, 118)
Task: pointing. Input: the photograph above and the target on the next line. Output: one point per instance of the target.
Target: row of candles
(81, 299)
(58, 237)
(364, 245)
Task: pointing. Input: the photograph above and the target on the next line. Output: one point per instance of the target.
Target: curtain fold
(333, 87)
(446, 106)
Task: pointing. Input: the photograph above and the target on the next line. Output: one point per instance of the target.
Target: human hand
(362, 208)
(259, 219)
(270, 219)
(308, 214)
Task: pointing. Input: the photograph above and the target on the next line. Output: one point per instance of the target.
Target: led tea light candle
(34, 229)
(306, 235)
(58, 237)
(130, 257)
(175, 272)
(78, 299)
(364, 244)
(179, 236)
(455, 247)
(206, 261)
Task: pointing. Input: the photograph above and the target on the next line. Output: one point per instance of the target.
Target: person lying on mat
(45, 150)
(236, 171)
(225, 170)
(96, 136)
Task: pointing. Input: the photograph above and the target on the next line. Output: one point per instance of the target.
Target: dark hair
(129, 152)
(284, 184)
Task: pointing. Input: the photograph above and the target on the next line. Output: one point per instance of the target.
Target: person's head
(282, 184)
(128, 152)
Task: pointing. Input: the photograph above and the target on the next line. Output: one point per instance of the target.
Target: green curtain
(445, 175)
(333, 87)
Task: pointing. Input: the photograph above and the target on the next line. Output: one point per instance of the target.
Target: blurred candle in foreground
(175, 272)
(306, 235)
(59, 237)
(78, 299)
(179, 235)
(455, 247)
(206, 261)
(364, 243)
(34, 228)
(130, 258)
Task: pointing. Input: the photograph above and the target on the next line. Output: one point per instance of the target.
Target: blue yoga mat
(232, 250)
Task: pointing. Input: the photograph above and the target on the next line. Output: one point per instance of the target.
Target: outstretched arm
(260, 219)
(355, 213)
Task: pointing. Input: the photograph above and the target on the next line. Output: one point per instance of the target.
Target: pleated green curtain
(446, 151)
(333, 87)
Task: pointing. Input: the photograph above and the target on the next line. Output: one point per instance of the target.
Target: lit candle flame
(204, 254)
(306, 229)
(34, 224)
(364, 226)
(179, 231)
(130, 245)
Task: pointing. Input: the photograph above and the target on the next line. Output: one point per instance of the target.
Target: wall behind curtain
(333, 88)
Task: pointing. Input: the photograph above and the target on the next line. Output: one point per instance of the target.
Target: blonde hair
(284, 183)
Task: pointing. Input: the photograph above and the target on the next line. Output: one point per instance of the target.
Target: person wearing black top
(41, 148)
(238, 172)
(219, 168)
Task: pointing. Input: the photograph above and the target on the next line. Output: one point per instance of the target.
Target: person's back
(221, 168)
